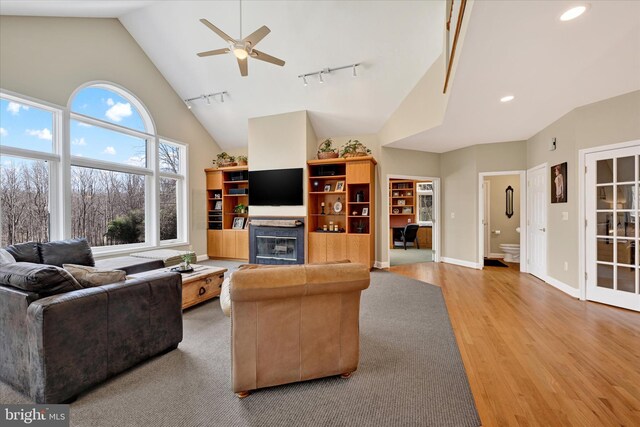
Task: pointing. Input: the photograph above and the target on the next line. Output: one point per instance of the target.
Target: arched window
(104, 174)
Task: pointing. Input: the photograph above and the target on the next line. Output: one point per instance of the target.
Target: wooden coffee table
(201, 285)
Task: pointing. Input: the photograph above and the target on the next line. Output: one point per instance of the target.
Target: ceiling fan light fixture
(573, 13)
(240, 53)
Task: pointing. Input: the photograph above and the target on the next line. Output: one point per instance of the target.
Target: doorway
(413, 211)
(612, 179)
(502, 219)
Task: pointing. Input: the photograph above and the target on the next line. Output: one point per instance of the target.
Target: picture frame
(340, 186)
(407, 210)
(365, 211)
(218, 205)
(402, 202)
(238, 223)
(559, 183)
(246, 224)
(327, 187)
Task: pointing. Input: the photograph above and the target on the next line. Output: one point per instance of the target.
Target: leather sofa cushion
(92, 276)
(73, 251)
(39, 278)
(25, 252)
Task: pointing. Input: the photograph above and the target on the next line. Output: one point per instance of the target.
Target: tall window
(27, 147)
(126, 186)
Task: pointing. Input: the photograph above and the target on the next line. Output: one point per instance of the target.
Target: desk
(424, 236)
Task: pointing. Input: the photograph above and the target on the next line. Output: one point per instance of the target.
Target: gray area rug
(410, 373)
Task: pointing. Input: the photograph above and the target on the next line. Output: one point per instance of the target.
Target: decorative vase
(322, 155)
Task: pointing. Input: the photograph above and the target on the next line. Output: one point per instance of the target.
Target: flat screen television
(279, 187)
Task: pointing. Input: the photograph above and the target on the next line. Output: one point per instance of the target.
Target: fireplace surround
(276, 241)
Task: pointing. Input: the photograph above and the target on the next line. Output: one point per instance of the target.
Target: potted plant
(240, 209)
(360, 226)
(224, 159)
(186, 260)
(326, 150)
(354, 148)
(242, 160)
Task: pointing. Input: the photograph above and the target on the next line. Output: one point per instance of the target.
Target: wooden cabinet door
(214, 180)
(214, 243)
(317, 247)
(359, 172)
(229, 243)
(358, 249)
(336, 247)
(242, 244)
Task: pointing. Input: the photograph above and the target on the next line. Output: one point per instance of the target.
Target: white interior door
(537, 221)
(611, 240)
(486, 220)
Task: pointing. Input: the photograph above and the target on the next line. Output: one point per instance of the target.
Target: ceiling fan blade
(266, 58)
(255, 37)
(217, 30)
(242, 63)
(213, 52)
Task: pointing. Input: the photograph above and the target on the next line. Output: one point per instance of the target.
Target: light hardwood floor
(536, 356)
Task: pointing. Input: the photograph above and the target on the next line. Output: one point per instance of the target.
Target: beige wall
(280, 142)
(48, 58)
(459, 172)
(606, 122)
(498, 220)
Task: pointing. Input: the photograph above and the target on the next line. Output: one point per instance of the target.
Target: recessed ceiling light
(573, 13)
(507, 98)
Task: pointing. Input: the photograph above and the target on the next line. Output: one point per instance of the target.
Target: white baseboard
(460, 262)
(496, 255)
(380, 264)
(202, 258)
(569, 290)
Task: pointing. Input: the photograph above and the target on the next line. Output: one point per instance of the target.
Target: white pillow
(92, 276)
(6, 257)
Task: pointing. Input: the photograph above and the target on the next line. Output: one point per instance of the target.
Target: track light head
(208, 100)
(187, 104)
(304, 80)
(222, 97)
(320, 76)
(354, 71)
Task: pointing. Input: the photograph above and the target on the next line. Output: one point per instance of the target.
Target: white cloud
(3, 132)
(79, 141)
(136, 161)
(84, 125)
(118, 111)
(110, 102)
(110, 150)
(14, 108)
(41, 134)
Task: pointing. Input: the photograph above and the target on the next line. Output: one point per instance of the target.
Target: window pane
(626, 169)
(24, 126)
(98, 143)
(168, 209)
(109, 106)
(605, 171)
(24, 200)
(107, 207)
(169, 157)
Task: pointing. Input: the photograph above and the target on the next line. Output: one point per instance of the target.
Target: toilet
(511, 252)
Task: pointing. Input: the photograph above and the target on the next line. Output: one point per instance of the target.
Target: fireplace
(276, 241)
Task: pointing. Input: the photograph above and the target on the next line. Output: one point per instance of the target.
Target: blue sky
(31, 128)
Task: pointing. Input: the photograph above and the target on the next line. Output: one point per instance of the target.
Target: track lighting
(327, 71)
(207, 98)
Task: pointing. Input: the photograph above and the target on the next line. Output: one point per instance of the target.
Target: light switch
(453, 215)
(565, 216)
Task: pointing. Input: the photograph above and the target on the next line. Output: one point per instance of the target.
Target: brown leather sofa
(294, 323)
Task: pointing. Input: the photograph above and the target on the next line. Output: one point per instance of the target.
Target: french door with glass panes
(611, 205)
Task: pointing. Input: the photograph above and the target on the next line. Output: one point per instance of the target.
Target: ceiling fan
(242, 48)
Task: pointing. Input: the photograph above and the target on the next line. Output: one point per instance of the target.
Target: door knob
(543, 229)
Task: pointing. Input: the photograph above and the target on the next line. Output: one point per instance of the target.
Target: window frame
(61, 161)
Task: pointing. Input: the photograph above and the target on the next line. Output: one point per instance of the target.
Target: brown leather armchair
(294, 323)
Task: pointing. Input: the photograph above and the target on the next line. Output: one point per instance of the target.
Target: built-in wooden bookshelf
(227, 188)
(347, 233)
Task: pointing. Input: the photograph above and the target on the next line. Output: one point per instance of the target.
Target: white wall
(48, 58)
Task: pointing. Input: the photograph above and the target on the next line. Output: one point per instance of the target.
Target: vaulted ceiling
(518, 48)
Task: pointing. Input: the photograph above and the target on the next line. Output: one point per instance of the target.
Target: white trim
(523, 215)
(30, 100)
(461, 263)
(561, 286)
(496, 255)
(109, 126)
(109, 166)
(381, 265)
(6, 150)
(435, 236)
(109, 251)
(582, 252)
(202, 258)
